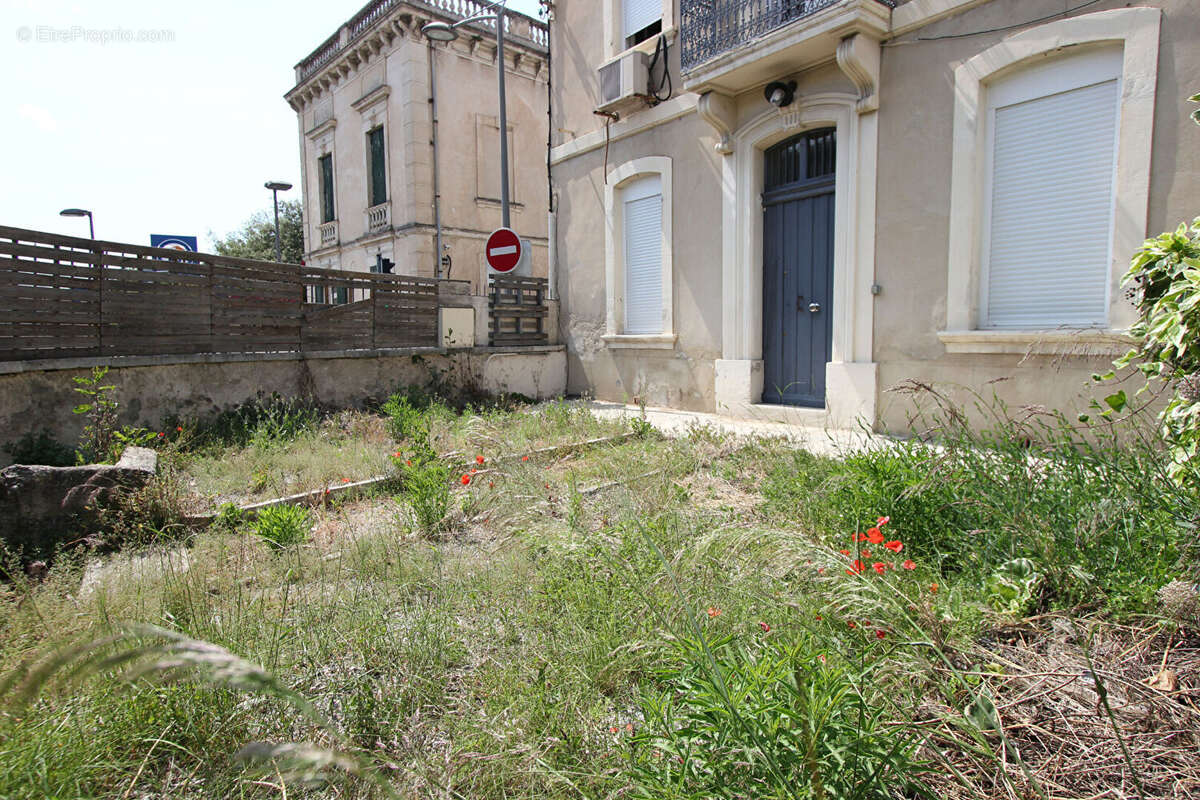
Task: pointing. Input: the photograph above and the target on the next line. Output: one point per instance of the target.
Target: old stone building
(383, 177)
(785, 208)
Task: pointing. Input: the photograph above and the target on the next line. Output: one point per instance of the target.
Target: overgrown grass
(654, 618)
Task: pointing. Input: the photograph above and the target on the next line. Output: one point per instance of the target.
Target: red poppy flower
(409, 462)
(855, 568)
(883, 521)
(713, 611)
(844, 552)
(473, 470)
(818, 617)
(478, 459)
(895, 545)
(629, 727)
(162, 435)
(875, 536)
(524, 458)
(765, 627)
(866, 623)
(466, 480)
(858, 537)
(851, 624)
(909, 564)
(179, 429)
(345, 480)
(491, 484)
(820, 570)
(933, 588)
(879, 567)
(613, 729)
(821, 658)
(866, 553)
(879, 634)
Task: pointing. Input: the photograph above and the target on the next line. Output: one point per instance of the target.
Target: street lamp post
(80, 212)
(444, 32)
(276, 187)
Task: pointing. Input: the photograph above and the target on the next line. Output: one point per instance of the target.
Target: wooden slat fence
(65, 297)
(518, 311)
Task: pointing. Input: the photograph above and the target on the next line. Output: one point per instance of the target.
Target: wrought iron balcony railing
(709, 28)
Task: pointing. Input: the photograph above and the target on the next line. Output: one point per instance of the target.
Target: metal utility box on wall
(456, 327)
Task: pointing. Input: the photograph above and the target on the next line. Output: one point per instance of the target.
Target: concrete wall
(388, 83)
(912, 219)
(152, 389)
(911, 211)
(681, 377)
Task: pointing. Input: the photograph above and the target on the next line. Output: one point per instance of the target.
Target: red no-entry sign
(503, 250)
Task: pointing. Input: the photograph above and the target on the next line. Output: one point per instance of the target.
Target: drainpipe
(433, 140)
(552, 216)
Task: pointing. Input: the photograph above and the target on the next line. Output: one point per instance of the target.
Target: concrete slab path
(674, 422)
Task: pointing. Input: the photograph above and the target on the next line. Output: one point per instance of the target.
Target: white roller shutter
(639, 14)
(642, 224)
(1048, 215)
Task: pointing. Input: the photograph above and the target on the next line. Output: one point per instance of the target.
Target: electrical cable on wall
(609, 118)
(661, 51)
(1001, 29)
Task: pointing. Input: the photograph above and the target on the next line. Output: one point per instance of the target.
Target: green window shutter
(378, 170)
(325, 164)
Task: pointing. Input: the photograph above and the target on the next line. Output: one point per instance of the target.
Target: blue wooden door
(798, 184)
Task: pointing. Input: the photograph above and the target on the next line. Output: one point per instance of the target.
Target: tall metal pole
(278, 252)
(91, 226)
(503, 118)
(433, 140)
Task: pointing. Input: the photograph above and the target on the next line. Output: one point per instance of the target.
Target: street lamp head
(439, 32)
(277, 186)
(74, 212)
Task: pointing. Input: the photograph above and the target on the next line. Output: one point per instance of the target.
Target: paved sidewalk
(674, 422)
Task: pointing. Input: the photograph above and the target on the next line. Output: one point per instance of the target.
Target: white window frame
(1074, 71)
(614, 28)
(619, 179)
(1136, 31)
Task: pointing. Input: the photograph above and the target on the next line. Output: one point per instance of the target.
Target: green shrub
(40, 448)
(96, 442)
(1098, 520)
(1164, 282)
(767, 720)
(406, 421)
(262, 422)
(425, 486)
(283, 525)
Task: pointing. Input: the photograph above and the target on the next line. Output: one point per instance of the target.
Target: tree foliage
(1164, 282)
(256, 238)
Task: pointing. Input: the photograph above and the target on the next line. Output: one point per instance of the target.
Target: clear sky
(171, 126)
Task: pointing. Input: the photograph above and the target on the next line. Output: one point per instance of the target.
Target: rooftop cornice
(379, 22)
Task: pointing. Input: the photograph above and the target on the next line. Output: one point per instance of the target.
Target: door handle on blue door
(814, 307)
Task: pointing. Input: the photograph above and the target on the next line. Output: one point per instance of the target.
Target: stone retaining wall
(36, 395)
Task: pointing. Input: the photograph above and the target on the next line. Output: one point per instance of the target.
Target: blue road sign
(186, 243)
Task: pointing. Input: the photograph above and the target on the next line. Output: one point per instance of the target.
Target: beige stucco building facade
(375, 184)
(944, 191)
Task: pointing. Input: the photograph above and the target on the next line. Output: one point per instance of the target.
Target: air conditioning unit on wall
(623, 81)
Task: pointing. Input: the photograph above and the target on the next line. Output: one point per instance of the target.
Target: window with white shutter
(642, 204)
(637, 16)
(1048, 206)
